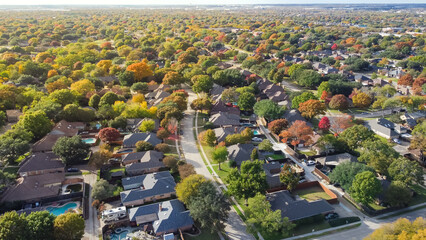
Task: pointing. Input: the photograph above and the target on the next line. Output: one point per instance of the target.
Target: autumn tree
(324, 123)
(289, 177)
(201, 104)
(406, 80)
(69, 226)
(401, 229)
(340, 123)
(173, 78)
(362, 100)
(207, 137)
(311, 108)
(277, 126)
(299, 131)
(302, 98)
(339, 101)
(189, 187)
(141, 70)
(109, 134)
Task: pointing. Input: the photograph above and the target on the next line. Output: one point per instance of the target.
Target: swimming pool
(89, 140)
(125, 151)
(61, 210)
(119, 236)
(256, 132)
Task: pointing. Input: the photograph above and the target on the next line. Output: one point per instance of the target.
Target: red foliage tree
(334, 47)
(278, 125)
(106, 45)
(324, 124)
(325, 95)
(417, 85)
(299, 131)
(109, 134)
(339, 101)
(406, 80)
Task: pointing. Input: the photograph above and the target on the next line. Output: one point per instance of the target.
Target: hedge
(342, 221)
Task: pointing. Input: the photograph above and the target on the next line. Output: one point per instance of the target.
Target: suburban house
(222, 132)
(152, 190)
(61, 129)
(13, 115)
(272, 171)
(334, 160)
(149, 162)
(411, 118)
(220, 106)
(216, 92)
(130, 140)
(162, 218)
(155, 97)
(294, 115)
(141, 180)
(224, 119)
(386, 128)
(240, 152)
(297, 209)
(133, 157)
(41, 163)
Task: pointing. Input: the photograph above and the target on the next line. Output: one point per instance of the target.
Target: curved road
(234, 227)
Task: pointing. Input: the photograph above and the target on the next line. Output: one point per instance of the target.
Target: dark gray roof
(223, 118)
(152, 156)
(131, 139)
(132, 157)
(138, 181)
(170, 218)
(336, 159)
(219, 106)
(377, 126)
(297, 209)
(152, 187)
(240, 152)
(294, 115)
(40, 161)
(272, 171)
(144, 165)
(216, 90)
(222, 132)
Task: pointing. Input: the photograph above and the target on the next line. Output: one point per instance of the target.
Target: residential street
(91, 231)
(235, 227)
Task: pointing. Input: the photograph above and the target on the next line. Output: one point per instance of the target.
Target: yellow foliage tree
(189, 187)
(104, 65)
(362, 100)
(141, 70)
(52, 73)
(83, 86)
(138, 98)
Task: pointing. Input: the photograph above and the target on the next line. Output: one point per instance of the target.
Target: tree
(254, 154)
(209, 207)
(365, 187)
(207, 137)
(143, 146)
(83, 86)
(35, 122)
(324, 124)
(261, 216)
(202, 104)
(203, 83)
(141, 70)
(397, 194)
(311, 108)
(220, 155)
(246, 101)
(40, 225)
(189, 187)
(345, 173)
(230, 95)
(362, 100)
(186, 170)
(63, 97)
(302, 98)
(341, 123)
(71, 150)
(400, 229)
(94, 101)
(328, 142)
(108, 99)
(147, 125)
(378, 155)
(13, 226)
(102, 190)
(6, 179)
(278, 125)
(418, 141)
(98, 159)
(339, 101)
(356, 135)
(406, 80)
(289, 177)
(266, 146)
(323, 87)
(251, 179)
(173, 78)
(406, 171)
(308, 78)
(12, 148)
(171, 162)
(268, 109)
(109, 134)
(69, 226)
(299, 131)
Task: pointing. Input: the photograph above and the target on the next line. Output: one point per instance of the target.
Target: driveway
(234, 227)
(91, 231)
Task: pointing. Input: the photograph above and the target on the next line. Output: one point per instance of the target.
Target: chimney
(160, 207)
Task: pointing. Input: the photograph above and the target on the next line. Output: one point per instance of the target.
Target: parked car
(310, 162)
(396, 140)
(257, 139)
(73, 170)
(331, 216)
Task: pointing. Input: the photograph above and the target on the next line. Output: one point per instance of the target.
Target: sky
(193, 2)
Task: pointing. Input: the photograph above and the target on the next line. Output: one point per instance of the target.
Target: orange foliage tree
(141, 69)
(417, 85)
(406, 80)
(339, 124)
(299, 131)
(311, 108)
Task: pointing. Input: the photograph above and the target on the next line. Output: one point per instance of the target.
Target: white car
(310, 163)
(396, 140)
(257, 139)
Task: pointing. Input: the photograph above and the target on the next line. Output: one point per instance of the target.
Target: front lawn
(224, 172)
(420, 197)
(205, 235)
(276, 156)
(307, 153)
(312, 194)
(375, 206)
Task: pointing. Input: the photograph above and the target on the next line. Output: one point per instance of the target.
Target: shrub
(143, 146)
(343, 221)
(186, 170)
(232, 163)
(163, 133)
(171, 162)
(162, 147)
(208, 125)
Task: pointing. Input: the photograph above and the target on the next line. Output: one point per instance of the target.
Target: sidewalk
(321, 231)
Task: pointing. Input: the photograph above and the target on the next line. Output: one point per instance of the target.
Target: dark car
(73, 170)
(331, 216)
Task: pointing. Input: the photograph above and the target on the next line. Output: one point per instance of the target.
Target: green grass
(376, 206)
(330, 232)
(403, 212)
(224, 172)
(276, 156)
(384, 140)
(308, 153)
(11, 169)
(312, 194)
(117, 170)
(205, 235)
(420, 197)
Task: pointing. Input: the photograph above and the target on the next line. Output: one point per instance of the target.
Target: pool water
(89, 140)
(61, 210)
(126, 151)
(255, 132)
(120, 236)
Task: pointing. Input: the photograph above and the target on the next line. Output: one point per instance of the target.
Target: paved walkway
(234, 227)
(91, 231)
